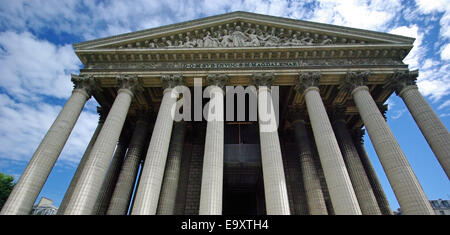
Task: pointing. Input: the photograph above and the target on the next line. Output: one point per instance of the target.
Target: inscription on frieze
(243, 65)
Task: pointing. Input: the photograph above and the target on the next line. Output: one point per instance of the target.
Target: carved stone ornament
(400, 80)
(172, 80)
(308, 79)
(103, 113)
(358, 135)
(217, 79)
(354, 79)
(383, 109)
(243, 65)
(130, 82)
(263, 79)
(239, 36)
(86, 82)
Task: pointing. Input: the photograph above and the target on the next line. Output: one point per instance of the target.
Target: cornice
(247, 17)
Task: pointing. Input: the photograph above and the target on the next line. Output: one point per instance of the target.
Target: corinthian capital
(353, 80)
(130, 82)
(217, 79)
(85, 82)
(172, 80)
(400, 80)
(263, 79)
(306, 80)
(358, 135)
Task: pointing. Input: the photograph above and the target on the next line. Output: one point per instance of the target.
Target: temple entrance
(243, 192)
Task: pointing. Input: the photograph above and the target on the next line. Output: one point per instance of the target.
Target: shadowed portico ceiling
(240, 44)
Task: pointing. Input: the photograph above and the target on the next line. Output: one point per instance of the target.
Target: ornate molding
(103, 113)
(217, 79)
(383, 109)
(244, 65)
(353, 80)
(240, 34)
(86, 83)
(358, 135)
(263, 79)
(130, 82)
(306, 80)
(172, 80)
(401, 80)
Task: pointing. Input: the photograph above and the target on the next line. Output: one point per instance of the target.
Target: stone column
(377, 189)
(109, 183)
(30, 183)
(212, 174)
(429, 123)
(338, 181)
(76, 176)
(169, 188)
(361, 185)
(121, 196)
(407, 189)
(87, 190)
(275, 189)
(311, 181)
(147, 195)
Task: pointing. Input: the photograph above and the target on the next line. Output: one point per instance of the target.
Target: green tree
(6, 186)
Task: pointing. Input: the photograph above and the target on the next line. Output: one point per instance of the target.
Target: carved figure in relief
(209, 41)
(189, 43)
(227, 40)
(254, 39)
(238, 37)
(250, 37)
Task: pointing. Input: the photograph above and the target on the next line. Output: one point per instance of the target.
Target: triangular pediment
(242, 30)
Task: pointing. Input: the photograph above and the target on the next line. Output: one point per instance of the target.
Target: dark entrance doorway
(243, 192)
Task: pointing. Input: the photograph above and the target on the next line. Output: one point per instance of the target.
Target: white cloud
(427, 6)
(428, 63)
(445, 53)
(372, 15)
(444, 105)
(398, 113)
(33, 67)
(412, 59)
(22, 127)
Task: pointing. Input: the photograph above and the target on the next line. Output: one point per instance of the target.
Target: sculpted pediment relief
(242, 29)
(238, 36)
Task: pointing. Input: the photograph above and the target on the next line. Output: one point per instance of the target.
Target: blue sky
(36, 59)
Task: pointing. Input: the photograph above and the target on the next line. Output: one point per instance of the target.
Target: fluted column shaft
(147, 196)
(429, 123)
(407, 189)
(338, 181)
(88, 187)
(109, 183)
(212, 173)
(168, 195)
(79, 169)
(382, 201)
(33, 178)
(275, 190)
(123, 190)
(311, 181)
(361, 185)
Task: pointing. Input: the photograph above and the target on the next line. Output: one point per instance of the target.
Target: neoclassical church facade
(330, 82)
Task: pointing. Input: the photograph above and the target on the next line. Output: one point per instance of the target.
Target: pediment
(242, 30)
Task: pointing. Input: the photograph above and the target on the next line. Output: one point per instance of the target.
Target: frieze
(244, 65)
